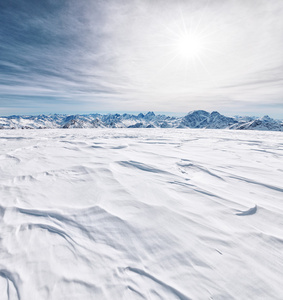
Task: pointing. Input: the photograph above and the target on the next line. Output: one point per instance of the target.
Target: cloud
(120, 55)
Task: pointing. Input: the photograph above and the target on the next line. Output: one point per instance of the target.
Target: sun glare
(185, 51)
(189, 46)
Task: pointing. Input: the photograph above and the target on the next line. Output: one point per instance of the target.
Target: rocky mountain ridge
(194, 119)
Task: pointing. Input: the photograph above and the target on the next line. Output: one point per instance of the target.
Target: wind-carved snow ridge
(248, 212)
(141, 214)
(194, 119)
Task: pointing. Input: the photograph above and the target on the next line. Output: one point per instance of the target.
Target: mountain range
(194, 119)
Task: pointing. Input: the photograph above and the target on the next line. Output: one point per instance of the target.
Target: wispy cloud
(120, 55)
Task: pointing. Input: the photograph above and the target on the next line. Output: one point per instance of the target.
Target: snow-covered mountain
(194, 119)
(204, 119)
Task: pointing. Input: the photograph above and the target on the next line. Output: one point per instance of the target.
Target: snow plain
(141, 214)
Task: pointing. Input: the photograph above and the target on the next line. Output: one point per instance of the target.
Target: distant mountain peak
(194, 119)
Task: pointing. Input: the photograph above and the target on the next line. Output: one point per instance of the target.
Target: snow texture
(141, 214)
(194, 119)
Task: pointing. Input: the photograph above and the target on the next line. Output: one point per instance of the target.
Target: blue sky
(141, 55)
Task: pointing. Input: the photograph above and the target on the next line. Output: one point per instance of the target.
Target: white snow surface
(141, 214)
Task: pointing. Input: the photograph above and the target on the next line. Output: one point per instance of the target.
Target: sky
(175, 56)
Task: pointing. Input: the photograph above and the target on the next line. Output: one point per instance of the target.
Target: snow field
(141, 214)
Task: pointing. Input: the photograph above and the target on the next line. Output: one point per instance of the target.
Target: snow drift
(141, 214)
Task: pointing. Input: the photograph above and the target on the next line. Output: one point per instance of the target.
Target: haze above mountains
(194, 119)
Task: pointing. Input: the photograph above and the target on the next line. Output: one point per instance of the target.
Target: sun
(185, 48)
(189, 46)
